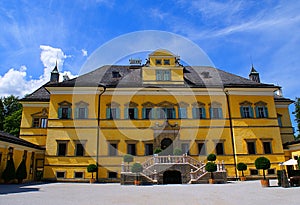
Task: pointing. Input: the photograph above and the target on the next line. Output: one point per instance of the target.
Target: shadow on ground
(18, 188)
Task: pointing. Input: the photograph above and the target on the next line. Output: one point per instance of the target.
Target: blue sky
(36, 33)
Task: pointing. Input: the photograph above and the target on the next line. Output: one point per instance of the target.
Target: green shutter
(126, 113)
(153, 113)
(211, 113)
(251, 111)
(173, 113)
(117, 113)
(60, 113)
(242, 112)
(144, 113)
(182, 113)
(220, 112)
(86, 113)
(194, 112)
(107, 113)
(256, 112)
(266, 112)
(76, 112)
(69, 113)
(203, 113)
(136, 113)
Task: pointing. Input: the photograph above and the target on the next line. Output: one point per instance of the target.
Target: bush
(136, 168)
(177, 152)
(262, 163)
(92, 168)
(21, 172)
(128, 158)
(157, 150)
(241, 167)
(211, 157)
(211, 167)
(9, 172)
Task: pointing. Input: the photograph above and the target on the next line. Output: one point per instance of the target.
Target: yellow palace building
(99, 116)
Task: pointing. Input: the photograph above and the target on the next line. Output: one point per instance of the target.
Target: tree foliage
(211, 157)
(136, 168)
(297, 115)
(128, 158)
(92, 168)
(262, 163)
(10, 115)
(241, 167)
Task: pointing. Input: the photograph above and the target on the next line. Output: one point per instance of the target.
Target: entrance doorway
(172, 177)
(167, 146)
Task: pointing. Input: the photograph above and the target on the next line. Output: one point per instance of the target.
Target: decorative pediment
(81, 104)
(43, 113)
(65, 103)
(148, 104)
(260, 103)
(183, 104)
(166, 104)
(215, 104)
(131, 104)
(113, 104)
(245, 103)
(198, 104)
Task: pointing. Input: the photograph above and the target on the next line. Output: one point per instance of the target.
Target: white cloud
(14, 82)
(84, 52)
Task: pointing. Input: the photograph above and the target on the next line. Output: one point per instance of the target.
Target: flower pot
(92, 181)
(136, 182)
(265, 182)
(243, 179)
(211, 181)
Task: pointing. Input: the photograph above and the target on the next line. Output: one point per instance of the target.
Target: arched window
(81, 110)
(246, 109)
(261, 109)
(198, 110)
(65, 110)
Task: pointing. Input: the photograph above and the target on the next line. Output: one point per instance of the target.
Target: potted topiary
(263, 163)
(9, 172)
(91, 168)
(137, 168)
(157, 151)
(177, 152)
(127, 158)
(211, 167)
(21, 172)
(242, 167)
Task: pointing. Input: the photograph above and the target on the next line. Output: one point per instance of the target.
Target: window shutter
(126, 113)
(60, 113)
(266, 112)
(203, 113)
(117, 113)
(153, 113)
(144, 113)
(211, 113)
(107, 113)
(135, 113)
(242, 112)
(86, 112)
(194, 112)
(76, 112)
(69, 113)
(220, 112)
(182, 113)
(256, 112)
(173, 113)
(251, 111)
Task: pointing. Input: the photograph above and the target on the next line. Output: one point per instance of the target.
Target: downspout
(231, 133)
(98, 130)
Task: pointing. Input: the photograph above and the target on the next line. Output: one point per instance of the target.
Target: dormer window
(116, 74)
(158, 62)
(166, 62)
(163, 75)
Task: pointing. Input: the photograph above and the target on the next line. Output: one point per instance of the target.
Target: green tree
(128, 158)
(241, 167)
(21, 172)
(11, 104)
(92, 168)
(9, 172)
(1, 114)
(12, 123)
(297, 115)
(262, 163)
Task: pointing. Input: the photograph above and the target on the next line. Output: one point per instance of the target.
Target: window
(185, 147)
(246, 111)
(201, 148)
(279, 119)
(131, 149)
(148, 149)
(163, 75)
(182, 112)
(116, 74)
(131, 111)
(61, 148)
(39, 122)
(79, 151)
(158, 61)
(166, 62)
(81, 111)
(261, 110)
(253, 172)
(113, 111)
(60, 174)
(166, 113)
(251, 147)
(267, 147)
(198, 113)
(78, 175)
(112, 149)
(64, 110)
(147, 113)
(112, 175)
(220, 148)
(215, 110)
(271, 171)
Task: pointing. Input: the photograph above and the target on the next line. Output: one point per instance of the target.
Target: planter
(92, 181)
(136, 182)
(243, 179)
(211, 181)
(265, 182)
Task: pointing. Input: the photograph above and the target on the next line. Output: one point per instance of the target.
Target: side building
(99, 116)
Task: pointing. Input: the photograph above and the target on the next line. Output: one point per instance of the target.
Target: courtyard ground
(233, 193)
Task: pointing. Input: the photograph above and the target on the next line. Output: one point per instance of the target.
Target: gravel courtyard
(233, 193)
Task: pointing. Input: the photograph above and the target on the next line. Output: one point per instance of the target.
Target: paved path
(234, 193)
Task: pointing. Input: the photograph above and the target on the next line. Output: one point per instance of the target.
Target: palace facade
(99, 116)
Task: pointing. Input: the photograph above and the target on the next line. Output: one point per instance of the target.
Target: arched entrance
(167, 146)
(172, 177)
